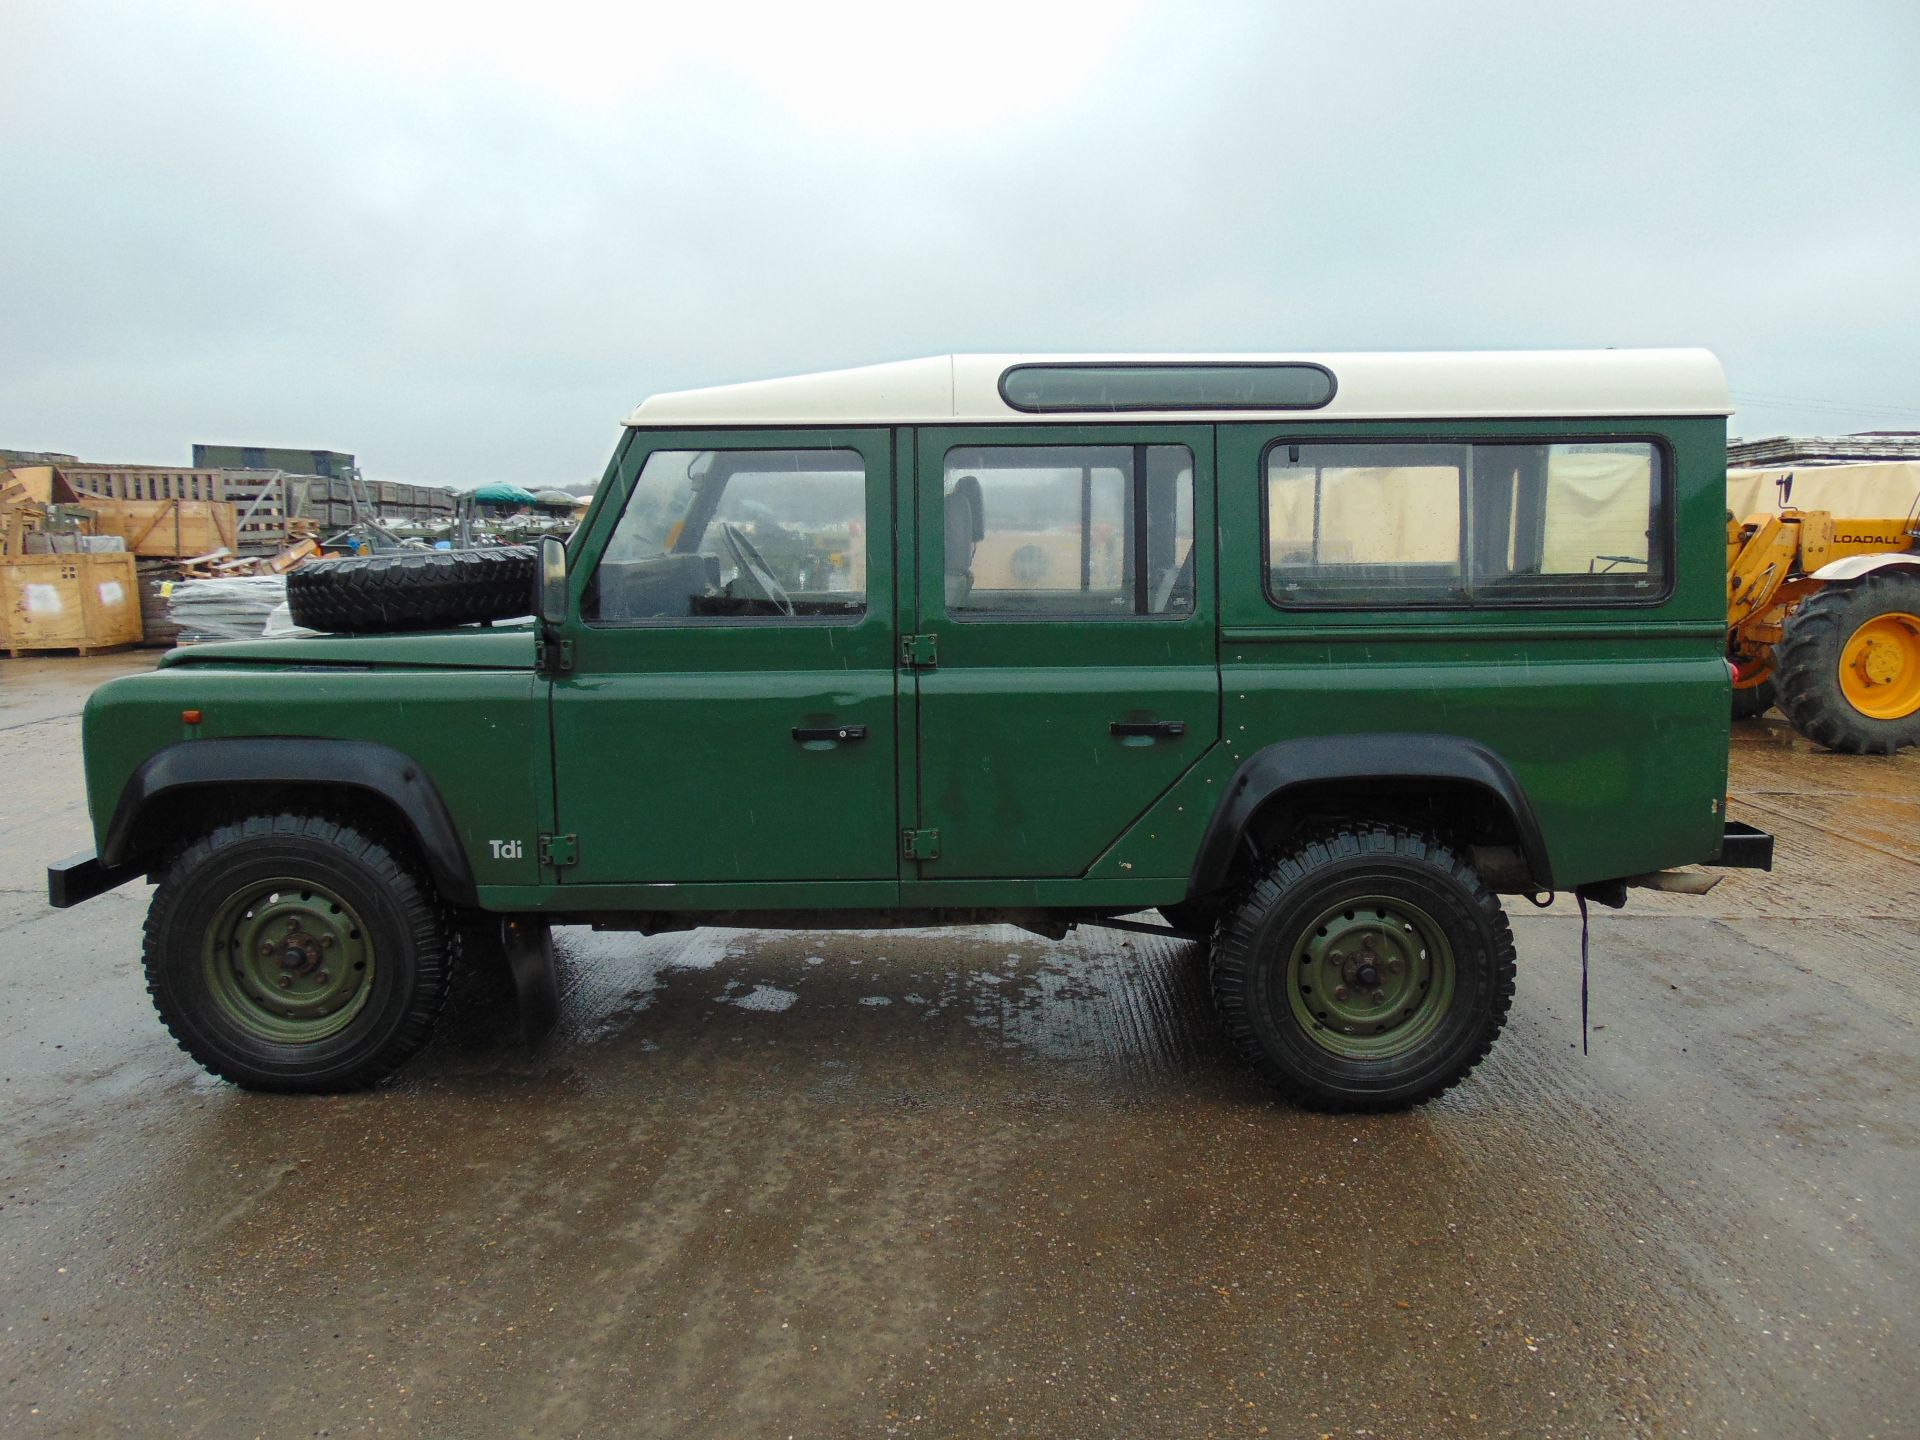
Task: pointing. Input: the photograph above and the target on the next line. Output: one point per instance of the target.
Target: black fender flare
(396, 778)
(1291, 764)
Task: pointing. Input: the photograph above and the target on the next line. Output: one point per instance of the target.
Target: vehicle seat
(1175, 581)
(966, 525)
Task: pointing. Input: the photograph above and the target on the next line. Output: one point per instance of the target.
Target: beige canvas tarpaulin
(1865, 491)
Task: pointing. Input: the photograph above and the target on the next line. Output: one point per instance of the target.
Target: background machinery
(1823, 620)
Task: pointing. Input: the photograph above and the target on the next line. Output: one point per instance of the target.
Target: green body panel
(479, 735)
(1614, 719)
(674, 755)
(667, 751)
(499, 647)
(1018, 770)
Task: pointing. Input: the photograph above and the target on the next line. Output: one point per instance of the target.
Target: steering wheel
(754, 568)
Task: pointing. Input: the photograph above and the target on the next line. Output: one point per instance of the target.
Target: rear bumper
(1743, 847)
(81, 877)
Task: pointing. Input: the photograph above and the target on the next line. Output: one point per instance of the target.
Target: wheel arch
(1294, 777)
(271, 771)
(1853, 567)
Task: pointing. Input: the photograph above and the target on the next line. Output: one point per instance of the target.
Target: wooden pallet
(31, 652)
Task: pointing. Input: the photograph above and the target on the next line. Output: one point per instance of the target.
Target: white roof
(1385, 385)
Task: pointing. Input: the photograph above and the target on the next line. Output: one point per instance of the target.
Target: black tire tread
(1807, 665)
(1232, 953)
(413, 590)
(430, 937)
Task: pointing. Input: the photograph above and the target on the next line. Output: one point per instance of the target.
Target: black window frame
(1161, 407)
(1664, 531)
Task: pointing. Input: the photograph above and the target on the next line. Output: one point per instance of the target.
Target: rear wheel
(1848, 666)
(294, 952)
(1367, 969)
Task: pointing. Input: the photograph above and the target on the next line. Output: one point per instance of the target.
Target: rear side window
(1483, 523)
(1082, 531)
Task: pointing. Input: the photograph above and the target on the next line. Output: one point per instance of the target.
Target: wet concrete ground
(977, 1183)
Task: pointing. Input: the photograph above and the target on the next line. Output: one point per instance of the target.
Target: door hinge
(551, 657)
(920, 844)
(918, 652)
(558, 850)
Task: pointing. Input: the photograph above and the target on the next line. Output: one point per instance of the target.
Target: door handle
(1157, 729)
(807, 736)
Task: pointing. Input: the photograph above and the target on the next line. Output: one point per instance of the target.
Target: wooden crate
(68, 602)
(260, 496)
(166, 528)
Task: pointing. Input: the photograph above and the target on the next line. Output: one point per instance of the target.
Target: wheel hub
(289, 961)
(1880, 667)
(1371, 977)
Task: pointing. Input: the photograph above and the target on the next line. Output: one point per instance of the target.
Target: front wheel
(295, 952)
(1366, 969)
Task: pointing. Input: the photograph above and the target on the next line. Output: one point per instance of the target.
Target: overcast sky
(461, 241)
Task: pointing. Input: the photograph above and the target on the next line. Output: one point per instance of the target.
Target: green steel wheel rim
(288, 961)
(1370, 978)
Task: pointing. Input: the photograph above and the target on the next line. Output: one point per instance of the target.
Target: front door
(1066, 592)
(729, 714)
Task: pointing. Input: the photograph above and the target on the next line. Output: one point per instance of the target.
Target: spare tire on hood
(413, 590)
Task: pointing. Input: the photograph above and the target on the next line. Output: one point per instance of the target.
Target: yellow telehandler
(1823, 620)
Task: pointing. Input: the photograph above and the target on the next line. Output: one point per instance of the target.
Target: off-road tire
(1754, 701)
(1807, 664)
(414, 590)
(1258, 950)
(406, 934)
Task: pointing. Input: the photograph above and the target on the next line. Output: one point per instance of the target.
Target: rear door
(1069, 617)
(729, 716)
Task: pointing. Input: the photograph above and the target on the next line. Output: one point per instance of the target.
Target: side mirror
(550, 597)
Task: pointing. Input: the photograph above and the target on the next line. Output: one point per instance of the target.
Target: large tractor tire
(414, 590)
(1364, 969)
(1752, 701)
(1848, 666)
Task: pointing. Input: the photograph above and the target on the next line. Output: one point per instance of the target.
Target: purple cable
(1583, 970)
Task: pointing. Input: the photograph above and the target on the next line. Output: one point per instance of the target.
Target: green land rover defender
(1312, 657)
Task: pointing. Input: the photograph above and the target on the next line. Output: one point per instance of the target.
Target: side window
(776, 536)
(1086, 531)
(1479, 524)
(1346, 522)
(1570, 518)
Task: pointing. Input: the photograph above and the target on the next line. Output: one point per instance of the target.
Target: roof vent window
(1075, 387)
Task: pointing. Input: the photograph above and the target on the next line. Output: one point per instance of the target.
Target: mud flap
(529, 950)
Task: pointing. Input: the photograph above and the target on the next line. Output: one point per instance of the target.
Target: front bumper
(81, 877)
(1742, 847)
